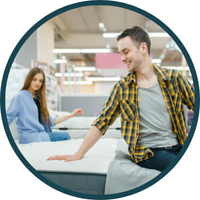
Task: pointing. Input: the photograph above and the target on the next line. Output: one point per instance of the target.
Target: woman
(29, 107)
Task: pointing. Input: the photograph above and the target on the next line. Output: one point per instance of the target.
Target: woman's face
(37, 82)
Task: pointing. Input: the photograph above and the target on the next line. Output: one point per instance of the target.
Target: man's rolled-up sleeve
(187, 91)
(110, 111)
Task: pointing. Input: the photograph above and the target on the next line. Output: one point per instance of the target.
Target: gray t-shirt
(155, 126)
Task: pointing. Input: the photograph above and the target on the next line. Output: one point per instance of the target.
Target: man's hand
(91, 138)
(66, 158)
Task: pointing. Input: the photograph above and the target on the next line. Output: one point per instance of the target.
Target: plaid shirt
(124, 100)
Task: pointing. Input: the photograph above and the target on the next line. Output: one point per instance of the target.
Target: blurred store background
(78, 52)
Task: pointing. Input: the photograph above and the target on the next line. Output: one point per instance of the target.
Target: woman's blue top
(24, 109)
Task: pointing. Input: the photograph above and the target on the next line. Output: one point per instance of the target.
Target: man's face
(130, 54)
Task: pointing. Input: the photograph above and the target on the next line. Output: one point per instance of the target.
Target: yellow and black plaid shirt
(124, 100)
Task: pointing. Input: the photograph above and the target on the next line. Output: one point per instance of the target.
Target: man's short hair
(138, 35)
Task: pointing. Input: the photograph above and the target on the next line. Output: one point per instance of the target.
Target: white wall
(46, 43)
(27, 52)
(95, 88)
(103, 87)
(85, 89)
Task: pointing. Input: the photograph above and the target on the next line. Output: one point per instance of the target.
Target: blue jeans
(162, 158)
(58, 136)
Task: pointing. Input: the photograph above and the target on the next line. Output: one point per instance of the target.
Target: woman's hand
(66, 158)
(76, 112)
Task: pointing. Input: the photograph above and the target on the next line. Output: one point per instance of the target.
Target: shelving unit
(14, 83)
(17, 77)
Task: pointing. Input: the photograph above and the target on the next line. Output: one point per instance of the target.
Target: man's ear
(144, 48)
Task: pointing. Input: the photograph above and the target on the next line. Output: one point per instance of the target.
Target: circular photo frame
(99, 3)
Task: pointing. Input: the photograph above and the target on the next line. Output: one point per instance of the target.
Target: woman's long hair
(44, 113)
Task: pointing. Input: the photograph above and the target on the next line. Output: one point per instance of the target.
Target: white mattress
(78, 127)
(84, 123)
(96, 160)
(80, 134)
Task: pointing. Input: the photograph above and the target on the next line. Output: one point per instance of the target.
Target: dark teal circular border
(96, 3)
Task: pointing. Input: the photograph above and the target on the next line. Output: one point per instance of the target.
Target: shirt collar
(132, 77)
(161, 74)
(27, 92)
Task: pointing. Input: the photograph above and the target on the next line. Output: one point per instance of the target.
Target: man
(150, 101)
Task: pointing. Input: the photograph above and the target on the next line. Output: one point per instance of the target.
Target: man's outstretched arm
(91, 138)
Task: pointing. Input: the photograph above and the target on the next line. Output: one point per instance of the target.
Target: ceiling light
(156, 60)
(81, 51)
(110, 35)
(181, 68)
(95, 50)
(102, 27)
(158, 34)
(94, 78)
(66, 51)
(169, 67)
(84, 68)
(103, 78)
(176, 67)
(67, 74)
(107, 46)
(60, 61)
(78, 82)
(152, 34)
(191, 81)
(111, 78)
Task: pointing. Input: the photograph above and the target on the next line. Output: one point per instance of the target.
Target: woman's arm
(12, 110)
(73, 114)
(91, 138)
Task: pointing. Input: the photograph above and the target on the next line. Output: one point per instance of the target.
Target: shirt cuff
(101, 125)
(52, 120)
